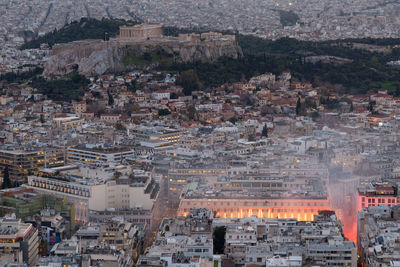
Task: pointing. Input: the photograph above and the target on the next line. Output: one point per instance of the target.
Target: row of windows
(258, 259)
(241, 237)
(198, 250)
(330, 252)
(255, 185)
(372, 205)
(60, 188)
(198, 171)
(379, 200)
(264, 211)
(252, 204)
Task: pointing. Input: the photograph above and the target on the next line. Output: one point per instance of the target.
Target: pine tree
(298, 106)
(110, 98)
(397, 92)
(371, 106)
(265, 131)
(6, 179)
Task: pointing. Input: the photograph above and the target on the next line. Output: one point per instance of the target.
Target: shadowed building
(21, 162)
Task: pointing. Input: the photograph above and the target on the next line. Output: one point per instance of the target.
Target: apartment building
(268, 242)
(376, 193)
(333, 253)
(19, 241)
(271, 198)
(156, 137)
(98, 196)
(378, 235)
(79, 107)
(68, 122)
(98, 155)
(23, 162)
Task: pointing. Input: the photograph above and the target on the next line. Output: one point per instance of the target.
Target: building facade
(302, 209)
(376, 194)
(96, 155)
(21, 163)
(156, 138)
(141, 31)
(20, 240)
(98, 196)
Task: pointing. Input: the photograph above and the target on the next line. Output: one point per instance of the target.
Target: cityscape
(219, 133)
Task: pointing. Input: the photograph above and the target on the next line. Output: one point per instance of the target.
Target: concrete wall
(99, 198)
(118, 196)
(139, 198)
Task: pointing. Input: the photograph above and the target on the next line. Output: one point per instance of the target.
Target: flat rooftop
(253, 194)
(99, 149)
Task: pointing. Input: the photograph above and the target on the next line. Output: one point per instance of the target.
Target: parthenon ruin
(141, 31)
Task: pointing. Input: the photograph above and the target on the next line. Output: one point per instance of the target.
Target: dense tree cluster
(71, 87)
(288, 18)
(366, 71)
(374, 41)
(163, 112)
(219, 239)
(264, 132)
(6, 179)
(189, 81)
(86, 28)
(12, 77)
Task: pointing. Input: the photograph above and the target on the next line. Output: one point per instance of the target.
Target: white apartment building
(97, 196)
(156, 137)
(159, 95)
(334, 253)
(92, 155)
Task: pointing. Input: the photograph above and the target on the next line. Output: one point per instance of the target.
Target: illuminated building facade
(239, 195)
(302, 209)
(21, 163)
(376, 194)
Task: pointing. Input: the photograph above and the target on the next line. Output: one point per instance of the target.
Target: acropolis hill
(119, 54)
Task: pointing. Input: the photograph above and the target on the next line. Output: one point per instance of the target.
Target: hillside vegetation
(86, 28)
(365, 69)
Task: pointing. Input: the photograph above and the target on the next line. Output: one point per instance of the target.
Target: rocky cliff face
(95, 57)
